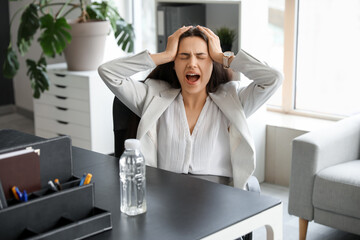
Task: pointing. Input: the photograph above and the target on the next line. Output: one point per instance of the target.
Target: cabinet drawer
(74, 140)
(66, 91)
(62, 127)
(62, 101)
(62, 114)
(61, 78)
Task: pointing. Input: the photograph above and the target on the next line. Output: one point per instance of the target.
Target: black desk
(178, 206)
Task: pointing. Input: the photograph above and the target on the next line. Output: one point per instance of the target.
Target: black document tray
(67, 214)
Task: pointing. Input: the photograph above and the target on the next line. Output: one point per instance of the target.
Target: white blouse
(205, 152)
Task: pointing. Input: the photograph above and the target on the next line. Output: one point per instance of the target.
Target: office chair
(125, 124)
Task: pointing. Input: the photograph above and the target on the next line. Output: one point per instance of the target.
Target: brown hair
(166, 72)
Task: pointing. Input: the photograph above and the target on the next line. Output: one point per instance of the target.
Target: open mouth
(192, 77)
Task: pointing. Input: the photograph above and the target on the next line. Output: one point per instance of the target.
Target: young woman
(193, 117)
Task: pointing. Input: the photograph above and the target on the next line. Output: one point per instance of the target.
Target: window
(327, 60)
(321, 46)
(315, 43)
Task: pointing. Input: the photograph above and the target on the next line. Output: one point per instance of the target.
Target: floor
(290, 231)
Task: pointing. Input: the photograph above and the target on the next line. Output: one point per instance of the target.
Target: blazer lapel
(233, 110)
(156, 107)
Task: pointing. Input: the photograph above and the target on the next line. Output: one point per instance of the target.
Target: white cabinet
(77, 104)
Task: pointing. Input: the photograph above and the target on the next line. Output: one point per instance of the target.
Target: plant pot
(226, 47)
(86, 50)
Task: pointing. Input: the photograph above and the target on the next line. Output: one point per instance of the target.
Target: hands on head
(214, 44)
(170, 52)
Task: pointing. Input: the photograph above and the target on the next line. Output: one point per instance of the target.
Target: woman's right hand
(171, 48)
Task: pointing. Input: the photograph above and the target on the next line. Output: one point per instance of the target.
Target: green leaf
(97, 11)
(38, 76)
(124, 32)
(11, 64)
(29, 24)
(104, 11)
(55, 36)
(124, 35)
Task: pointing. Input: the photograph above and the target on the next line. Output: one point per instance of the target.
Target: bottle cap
(132, 144)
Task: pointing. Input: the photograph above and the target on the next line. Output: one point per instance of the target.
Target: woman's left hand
(214, 44)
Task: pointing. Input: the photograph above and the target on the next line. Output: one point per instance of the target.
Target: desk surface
(178, 206)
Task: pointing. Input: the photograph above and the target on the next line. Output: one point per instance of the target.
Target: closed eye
(184, 55)
(187, 55)
(201, 55)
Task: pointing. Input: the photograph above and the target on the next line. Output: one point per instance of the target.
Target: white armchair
(325, 177)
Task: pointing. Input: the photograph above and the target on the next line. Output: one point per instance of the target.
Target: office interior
(273, 129)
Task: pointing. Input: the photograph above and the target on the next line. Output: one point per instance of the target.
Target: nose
(192, 62)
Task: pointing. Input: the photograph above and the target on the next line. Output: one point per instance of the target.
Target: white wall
(253, 26)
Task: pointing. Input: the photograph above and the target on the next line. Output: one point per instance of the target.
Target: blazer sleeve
(266, 81)
(116, 75)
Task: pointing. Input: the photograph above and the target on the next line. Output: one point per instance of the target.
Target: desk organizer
(66, 214)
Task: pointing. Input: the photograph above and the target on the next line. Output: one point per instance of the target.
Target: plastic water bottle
(132, 179)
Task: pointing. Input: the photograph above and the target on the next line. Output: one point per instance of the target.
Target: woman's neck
(193, 106)
(194, 101)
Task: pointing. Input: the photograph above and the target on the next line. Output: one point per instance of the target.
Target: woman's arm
(116, 75)
(266, 81)
(171, 48)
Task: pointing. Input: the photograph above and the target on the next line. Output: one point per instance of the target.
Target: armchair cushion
(337, 189)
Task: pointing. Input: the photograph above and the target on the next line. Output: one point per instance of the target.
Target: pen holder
(67, 214)
(48, 214)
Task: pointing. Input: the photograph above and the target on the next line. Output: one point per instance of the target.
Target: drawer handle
(62, 122)
(60, 86)
(60, 75)
(61, 97)
(61, 108)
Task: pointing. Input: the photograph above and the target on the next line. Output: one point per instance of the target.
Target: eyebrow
(197, 54)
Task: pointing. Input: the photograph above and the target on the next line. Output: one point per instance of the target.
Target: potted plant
(227, 37)
(57, 34)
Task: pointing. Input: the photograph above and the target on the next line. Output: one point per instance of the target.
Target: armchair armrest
(253, 185)
(315, 151)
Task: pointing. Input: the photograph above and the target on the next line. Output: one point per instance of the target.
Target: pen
(57, 183)
(52, 185)
(88, 178)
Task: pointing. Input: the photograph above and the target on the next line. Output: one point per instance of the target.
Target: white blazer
(150, 99)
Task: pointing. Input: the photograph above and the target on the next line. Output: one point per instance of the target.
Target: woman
(193, 118)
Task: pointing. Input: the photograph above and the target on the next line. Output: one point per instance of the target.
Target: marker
(24, 196)
(16, 192)
(52, 185)
(88, 178)
(57, 183)
(82, 179)
(13, 189)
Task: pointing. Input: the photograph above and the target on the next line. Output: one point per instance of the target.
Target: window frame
(289, 69)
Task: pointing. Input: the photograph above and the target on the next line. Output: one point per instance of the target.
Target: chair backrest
(125, 125)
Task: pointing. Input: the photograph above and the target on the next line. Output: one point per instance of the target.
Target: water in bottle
(132, 179)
